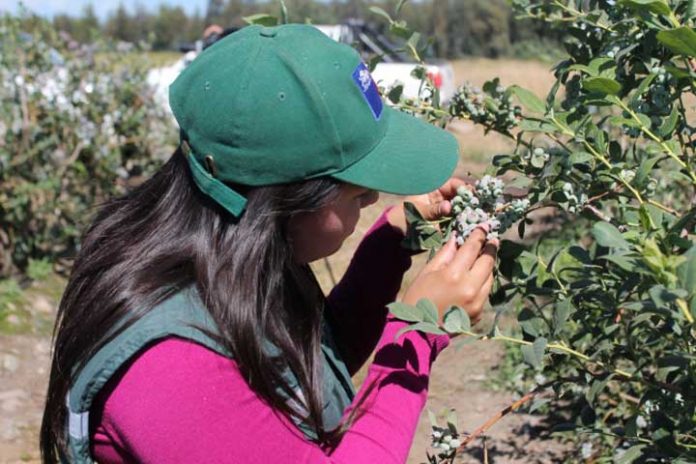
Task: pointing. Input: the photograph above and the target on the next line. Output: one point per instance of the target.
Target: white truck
(395, 67)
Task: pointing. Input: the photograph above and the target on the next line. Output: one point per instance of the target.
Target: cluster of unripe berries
(445, 440)
(537, 157)
(628, 175)
(575, 201)
(485, 205)
(491, 107)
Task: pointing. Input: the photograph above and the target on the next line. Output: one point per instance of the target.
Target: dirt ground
(459, 376)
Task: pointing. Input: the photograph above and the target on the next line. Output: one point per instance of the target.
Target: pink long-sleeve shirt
(178, 401)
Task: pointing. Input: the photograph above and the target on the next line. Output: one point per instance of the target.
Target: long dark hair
(165, 235)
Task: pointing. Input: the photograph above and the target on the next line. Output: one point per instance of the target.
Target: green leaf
(534, 354)
(530, 323)
(679, 73)
(580, 157)
(609, 236)
(528, 99)
(596, 387)
(262, 19)
(456, 320)
(430, 312)
(640, 90)
(395, 93)
(537, 403)
(602, 85)
(643, 121)
(406, 312)
(399, 6)
(432, 418)
(452, 421)
(601, 64)
(669, 123)
(644, 169)
(686, 272)
(399, 29)
(412, 45)
(662, 296)
(380, 12)
(669, 364)
(681, 40)
(631, 454)
(534, 125)
(414, 40)
(374, 61)
(425, 327)
(561, 313)
(645, 6)
(645, 219)
(584, 68)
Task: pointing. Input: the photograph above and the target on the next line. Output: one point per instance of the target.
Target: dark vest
(179, 316)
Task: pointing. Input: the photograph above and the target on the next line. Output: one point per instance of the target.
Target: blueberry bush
(606, 305)
(74, 130)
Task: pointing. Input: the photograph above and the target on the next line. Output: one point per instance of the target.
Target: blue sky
(101, 7)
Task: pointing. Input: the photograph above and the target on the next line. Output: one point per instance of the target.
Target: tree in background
(440, 11)
(215, 11)
(80, 29)
(121, 25)
(168, 25)
(479, 27)
(460, 28)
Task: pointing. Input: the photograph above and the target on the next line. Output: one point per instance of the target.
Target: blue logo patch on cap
(364, 81)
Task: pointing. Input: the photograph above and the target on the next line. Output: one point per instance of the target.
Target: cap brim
(414, 157)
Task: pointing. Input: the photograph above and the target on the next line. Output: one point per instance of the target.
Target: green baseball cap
(271, 105)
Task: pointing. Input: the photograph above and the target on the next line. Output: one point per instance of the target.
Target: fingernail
(484, 226)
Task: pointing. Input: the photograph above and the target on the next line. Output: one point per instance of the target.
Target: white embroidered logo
(365, 79)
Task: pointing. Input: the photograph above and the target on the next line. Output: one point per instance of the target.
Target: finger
(437, 209)
(484, 293)
(475, 309)
(471, 249)
(482, 269)
(449, 189)
(443, 256)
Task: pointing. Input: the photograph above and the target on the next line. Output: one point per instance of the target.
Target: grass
(151, 59)
(163, 58)
(31, 309)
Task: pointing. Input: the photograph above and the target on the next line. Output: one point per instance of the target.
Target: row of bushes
(73, 131)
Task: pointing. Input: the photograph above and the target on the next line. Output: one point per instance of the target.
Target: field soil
(459, 378)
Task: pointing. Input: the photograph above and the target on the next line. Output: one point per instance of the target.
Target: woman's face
(321, 233)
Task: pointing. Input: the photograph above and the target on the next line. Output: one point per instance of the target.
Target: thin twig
(597, 213)
(499, 415)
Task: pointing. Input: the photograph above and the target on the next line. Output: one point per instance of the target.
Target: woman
(193, 329)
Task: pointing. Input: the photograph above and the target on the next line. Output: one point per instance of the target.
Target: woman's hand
(462, 277)
(432, 206)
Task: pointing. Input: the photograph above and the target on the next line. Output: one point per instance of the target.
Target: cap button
(268, 32)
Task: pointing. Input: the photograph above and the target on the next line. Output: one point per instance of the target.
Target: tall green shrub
(606, 307)
(74, 130)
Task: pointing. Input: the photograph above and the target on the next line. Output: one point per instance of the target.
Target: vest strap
(78, 423)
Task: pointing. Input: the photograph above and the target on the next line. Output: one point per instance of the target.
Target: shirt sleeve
(357, 309)
(180, 402)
